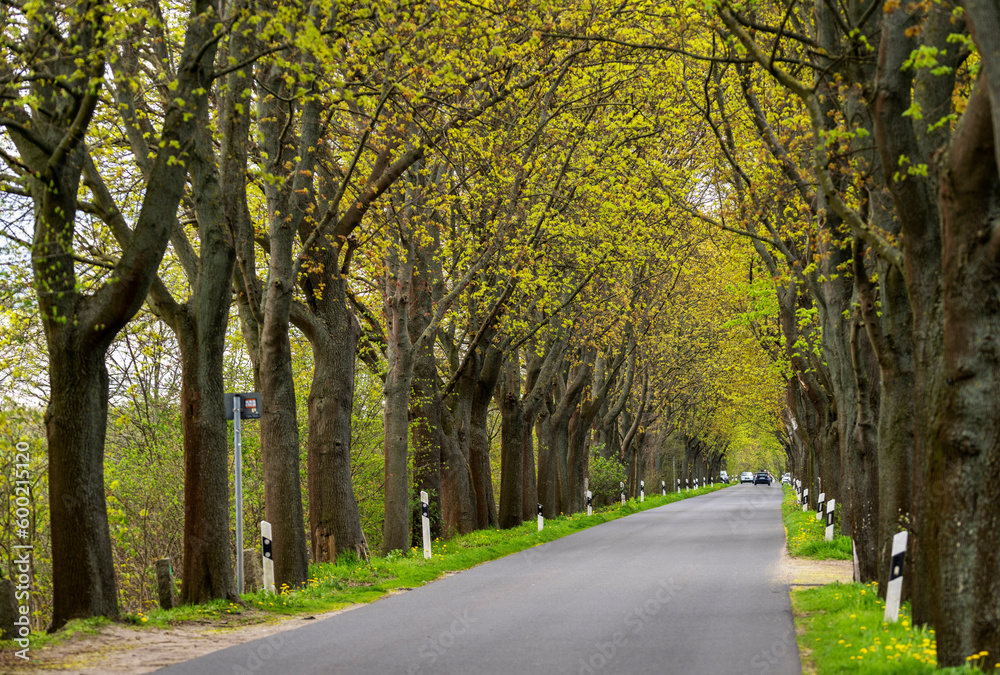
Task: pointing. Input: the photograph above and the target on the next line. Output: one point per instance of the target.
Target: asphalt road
(691, 587)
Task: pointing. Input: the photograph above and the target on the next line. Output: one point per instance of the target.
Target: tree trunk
(398, 380)
(862, 462)
(83, 572)
(546, 462)
(334, 519)
(458, 498)
(279, 438)
(425, 394)
(207, 571)
(511, 445)
(479, 438)
(961, 524)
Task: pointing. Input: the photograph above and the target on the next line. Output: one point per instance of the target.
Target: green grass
(350, 581)
(841, 631)
(807, 536)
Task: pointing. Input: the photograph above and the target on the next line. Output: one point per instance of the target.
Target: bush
(606, 476)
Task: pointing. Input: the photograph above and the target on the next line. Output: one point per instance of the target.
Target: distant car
(762, 477)
(746, 477)
(786, 479)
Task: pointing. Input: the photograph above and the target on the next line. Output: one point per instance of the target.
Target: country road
(691, 587)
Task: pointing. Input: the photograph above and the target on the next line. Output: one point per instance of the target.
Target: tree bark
(511, 444)
(398, 379)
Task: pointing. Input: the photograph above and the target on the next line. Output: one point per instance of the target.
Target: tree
(47, 115)
(942, 175)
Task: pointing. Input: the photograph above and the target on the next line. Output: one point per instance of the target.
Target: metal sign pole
(238, 470)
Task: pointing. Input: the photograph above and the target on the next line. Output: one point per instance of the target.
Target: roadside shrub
(606, 476)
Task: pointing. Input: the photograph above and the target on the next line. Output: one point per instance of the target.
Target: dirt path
(125, 650)
(805, 573)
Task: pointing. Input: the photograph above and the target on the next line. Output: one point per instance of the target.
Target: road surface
(692, 587)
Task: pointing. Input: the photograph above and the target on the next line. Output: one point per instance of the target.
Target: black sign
(425, 510)
(249, 406)
(896, 566)
(266, 545)
(539, 509)
(829, 518)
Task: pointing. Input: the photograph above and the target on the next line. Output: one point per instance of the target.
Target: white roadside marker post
(268, 556)
(642, 491)
(819, 505)
(805, 500)
(687, 485)
(830, 505)
(425, 520)
(590, 507)
(678, 484)
(621, 486)
(541, 518)
(894, 591)
(663, 486)
(857, 565)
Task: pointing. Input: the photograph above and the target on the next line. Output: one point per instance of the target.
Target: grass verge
(840, 627)
(807, 536)
(350, 581)
(841, 631)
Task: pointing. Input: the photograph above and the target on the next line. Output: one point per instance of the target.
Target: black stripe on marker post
(896, 566)
(829, 518)
(266, 545)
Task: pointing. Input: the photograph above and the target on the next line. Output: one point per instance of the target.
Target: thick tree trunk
(425, 394)
(279, 438)
(479, 437)
(546, 462)
(862, 460)
(334, 519)
(220, 205)
(83, 572)
(511, 444)
(458, 498)
(961, 524)
(207, 571)
(398, 380)
(530, 493)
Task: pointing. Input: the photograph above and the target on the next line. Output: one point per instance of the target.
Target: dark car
(762, 477)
